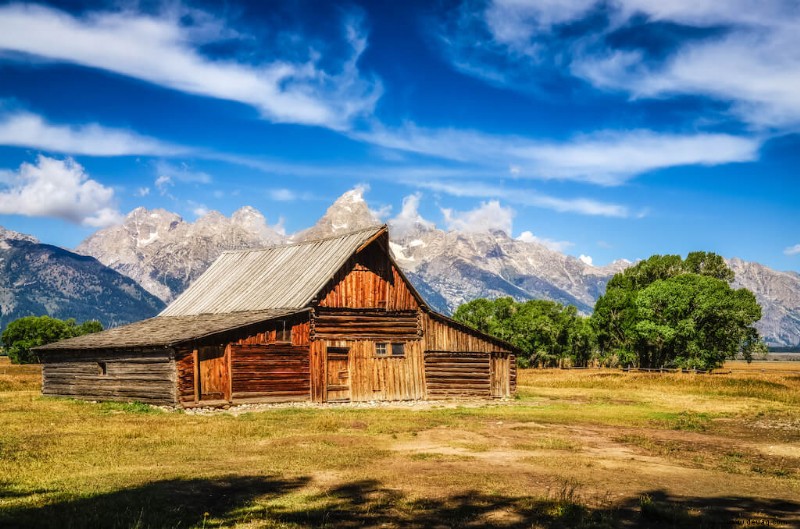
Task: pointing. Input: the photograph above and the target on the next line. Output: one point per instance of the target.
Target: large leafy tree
(668, 311)
(22, 335)
(547, 332)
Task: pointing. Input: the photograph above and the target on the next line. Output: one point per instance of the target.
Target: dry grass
(575, 449)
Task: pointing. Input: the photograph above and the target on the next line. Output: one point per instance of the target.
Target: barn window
(284, 332)
(394, 349)
(398, 349)
(101, 368)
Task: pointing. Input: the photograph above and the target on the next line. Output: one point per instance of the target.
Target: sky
(607, 130)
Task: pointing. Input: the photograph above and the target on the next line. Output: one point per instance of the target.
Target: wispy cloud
(742, 52)
(557, 246)
(165, 50)
(604, 157)
(792, 250)
(488, 216)
(409, 218)
(526, 197)
(60, 189)
(24, 129)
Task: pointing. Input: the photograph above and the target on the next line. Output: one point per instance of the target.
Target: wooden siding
(462, 374)
(368, 280)
(440, 336)
(372, 377)
(254, 335)
(145, 376)
(274, 372)
(360, 324)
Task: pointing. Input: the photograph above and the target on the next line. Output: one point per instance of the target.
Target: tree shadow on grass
(258, 501)
(169, 503)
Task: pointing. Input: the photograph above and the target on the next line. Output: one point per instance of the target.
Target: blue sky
(612, 129)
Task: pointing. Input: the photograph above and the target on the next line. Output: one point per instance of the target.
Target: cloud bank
(59, 189)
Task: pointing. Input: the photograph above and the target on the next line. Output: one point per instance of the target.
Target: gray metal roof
(278, 277)
(164, 331)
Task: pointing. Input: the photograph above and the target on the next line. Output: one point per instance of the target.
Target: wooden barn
(329, 320)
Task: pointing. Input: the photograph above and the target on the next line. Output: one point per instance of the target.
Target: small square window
(381, 349)
(283, 333)
(398, 349)
(102, 369)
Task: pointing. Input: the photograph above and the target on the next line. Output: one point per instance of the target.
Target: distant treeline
(665, 311)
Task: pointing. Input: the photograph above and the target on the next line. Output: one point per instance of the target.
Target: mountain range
(164, 253)
(37, 279)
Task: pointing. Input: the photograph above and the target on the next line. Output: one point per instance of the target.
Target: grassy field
(586, 449)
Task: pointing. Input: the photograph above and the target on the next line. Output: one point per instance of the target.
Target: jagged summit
(11, 235)
(164, 253)
(348, 213)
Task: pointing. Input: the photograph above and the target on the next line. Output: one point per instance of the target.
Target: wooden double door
(337, 374)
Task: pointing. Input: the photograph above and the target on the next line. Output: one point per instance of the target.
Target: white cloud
(750, 57)
(199, 210)
(489, 216)
(60, 189)
(556, 246)
(792, 250)
(586, 259)
(142, 191)
(162, 183)
(604, 157)
(409, 218)
(288, 195)
(165, 50)
(181, 173)
(526, 197)
(282, 195)
(23, 129)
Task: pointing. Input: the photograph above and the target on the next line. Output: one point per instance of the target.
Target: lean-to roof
(165, 331)
(284, 276)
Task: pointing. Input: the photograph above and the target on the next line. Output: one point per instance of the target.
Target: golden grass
(575, 449)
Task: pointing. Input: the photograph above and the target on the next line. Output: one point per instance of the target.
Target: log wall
(254, 335)
(278, 372)
(463, 374)
(145, 376)
(366, 324)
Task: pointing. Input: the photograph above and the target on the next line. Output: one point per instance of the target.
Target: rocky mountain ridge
(164, 254)
(37, 279)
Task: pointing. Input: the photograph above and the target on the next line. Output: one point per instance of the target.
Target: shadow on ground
(262, 502)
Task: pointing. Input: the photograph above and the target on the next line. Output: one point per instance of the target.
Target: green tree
(547, 332)
(23, 334)
(667, 311)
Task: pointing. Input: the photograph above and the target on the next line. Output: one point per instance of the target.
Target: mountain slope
(37, 279)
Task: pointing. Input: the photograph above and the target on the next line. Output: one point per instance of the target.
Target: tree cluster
(663, 312)
(672, 312)
(548, 333)
(22, 335)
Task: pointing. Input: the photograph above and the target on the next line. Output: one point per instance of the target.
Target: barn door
(337, 374)
(500, 376)
(213, 375)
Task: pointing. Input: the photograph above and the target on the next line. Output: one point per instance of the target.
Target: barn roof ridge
(372, 229)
